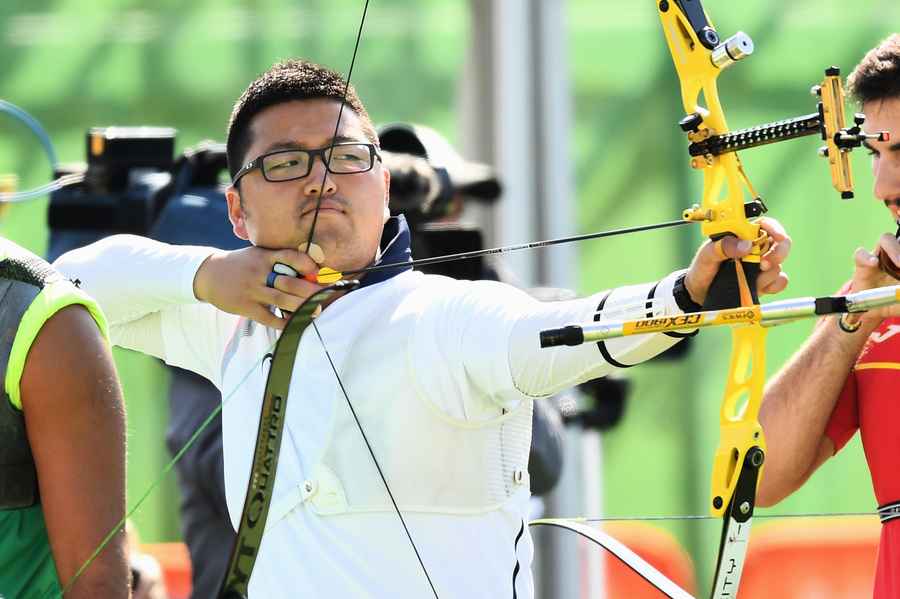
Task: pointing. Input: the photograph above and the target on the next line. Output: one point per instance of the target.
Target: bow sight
(828, 120)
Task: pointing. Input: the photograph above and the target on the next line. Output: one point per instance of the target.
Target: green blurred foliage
(75, 64)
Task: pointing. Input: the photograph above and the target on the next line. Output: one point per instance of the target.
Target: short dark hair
(284, 82)
(877, 76)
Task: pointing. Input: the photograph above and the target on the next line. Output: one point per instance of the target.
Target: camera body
(126, 178)
(134, 184)
(424, 194)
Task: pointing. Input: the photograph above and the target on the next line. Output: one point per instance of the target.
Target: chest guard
(22, 277)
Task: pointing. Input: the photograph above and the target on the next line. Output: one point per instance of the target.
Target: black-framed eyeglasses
(287, 165)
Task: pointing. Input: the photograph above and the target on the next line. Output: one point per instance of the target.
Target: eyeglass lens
(293, 164)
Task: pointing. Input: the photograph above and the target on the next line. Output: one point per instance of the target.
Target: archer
(438, 375)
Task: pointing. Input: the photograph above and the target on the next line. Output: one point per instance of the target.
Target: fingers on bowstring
(298, 287)
(298, 261)
(282, 300)
(264, 317)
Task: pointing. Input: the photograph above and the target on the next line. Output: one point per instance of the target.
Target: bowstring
(309, 241)
(337, 126)
(688, 517)
(375, 460)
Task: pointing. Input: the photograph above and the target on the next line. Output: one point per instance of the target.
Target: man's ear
(387, 192)
(236, 212)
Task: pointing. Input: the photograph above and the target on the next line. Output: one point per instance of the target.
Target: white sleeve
(146, 290)
(540, 372)
(132, 276)
(483, 346)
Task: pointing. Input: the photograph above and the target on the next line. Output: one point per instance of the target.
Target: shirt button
(519, 477)
(309, 488)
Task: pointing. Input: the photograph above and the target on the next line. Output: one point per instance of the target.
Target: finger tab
(284, 269)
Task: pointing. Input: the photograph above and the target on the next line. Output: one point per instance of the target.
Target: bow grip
(725, 289)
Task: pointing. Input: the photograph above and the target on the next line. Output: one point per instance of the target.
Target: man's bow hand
(709, 258)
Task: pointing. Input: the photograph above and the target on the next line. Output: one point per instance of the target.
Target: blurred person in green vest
(62, 438)
(847, 375)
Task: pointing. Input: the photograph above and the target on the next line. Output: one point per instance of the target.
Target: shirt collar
(395, 248)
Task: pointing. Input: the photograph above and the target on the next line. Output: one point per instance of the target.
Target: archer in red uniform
(847, 375)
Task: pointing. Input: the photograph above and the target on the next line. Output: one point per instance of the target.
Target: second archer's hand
(709, 258)
(236, 282)
(869, 274)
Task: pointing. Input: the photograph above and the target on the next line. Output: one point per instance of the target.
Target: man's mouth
(326, 206)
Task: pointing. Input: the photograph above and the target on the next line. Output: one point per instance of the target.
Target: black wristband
(683, 298)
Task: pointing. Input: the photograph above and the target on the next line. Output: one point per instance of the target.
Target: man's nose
(319, 180)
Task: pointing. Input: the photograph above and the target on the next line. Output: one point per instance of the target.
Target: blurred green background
(74, 64)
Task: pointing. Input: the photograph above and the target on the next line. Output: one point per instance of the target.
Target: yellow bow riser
(722, 212)
(739, 429)
(698, 69)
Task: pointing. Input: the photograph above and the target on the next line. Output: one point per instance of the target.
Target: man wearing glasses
(847, 375)
(441, 373)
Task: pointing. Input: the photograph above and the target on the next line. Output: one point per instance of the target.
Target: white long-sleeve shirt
(441, 374)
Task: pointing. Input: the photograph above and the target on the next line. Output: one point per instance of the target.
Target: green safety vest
(31, 291)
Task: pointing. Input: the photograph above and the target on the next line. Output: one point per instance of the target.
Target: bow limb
(739, 456)
(628, 557)
(268, 444)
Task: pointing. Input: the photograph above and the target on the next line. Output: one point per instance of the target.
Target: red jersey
(869, 402)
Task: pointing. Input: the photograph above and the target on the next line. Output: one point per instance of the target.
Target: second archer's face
(279, 215)
(884, 115)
